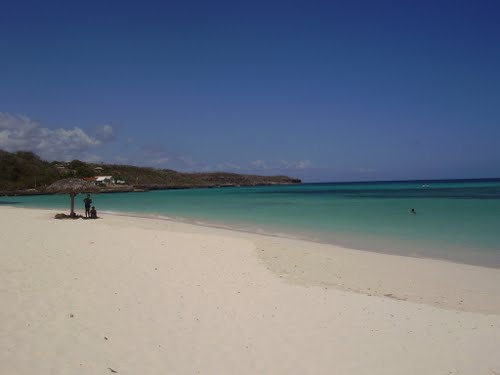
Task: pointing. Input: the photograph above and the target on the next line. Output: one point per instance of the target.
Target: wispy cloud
(302, 164)
(259, 164)
(187, 161)
(227, 166)
(120, 159)
(22, 133)
(92, 158)
(18, 132)
(280, 164)
(105, 133)
(218, 167)
(154, 154)
(161, 156)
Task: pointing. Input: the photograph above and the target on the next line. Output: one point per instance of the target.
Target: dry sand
(144, 296)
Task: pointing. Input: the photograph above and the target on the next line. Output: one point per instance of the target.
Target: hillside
(24, 172)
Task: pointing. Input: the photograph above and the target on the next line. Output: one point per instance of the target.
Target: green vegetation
(25, 172)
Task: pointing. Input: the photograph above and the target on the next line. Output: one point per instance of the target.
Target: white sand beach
(131, 295)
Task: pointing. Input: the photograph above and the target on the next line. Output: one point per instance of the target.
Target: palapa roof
(72, 185)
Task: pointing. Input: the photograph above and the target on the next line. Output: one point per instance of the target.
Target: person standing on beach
(88, 203)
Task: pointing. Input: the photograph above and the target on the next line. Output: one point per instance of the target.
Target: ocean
(455, 220)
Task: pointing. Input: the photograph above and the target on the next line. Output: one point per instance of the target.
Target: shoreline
(279, 262)
(295, 247)
(377, 248)
(153, 187)
(145, 295)
(143, 188)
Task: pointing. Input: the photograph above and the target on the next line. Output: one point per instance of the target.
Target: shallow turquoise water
(454, 220)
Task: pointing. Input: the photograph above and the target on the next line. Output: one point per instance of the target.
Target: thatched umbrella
(72, 186)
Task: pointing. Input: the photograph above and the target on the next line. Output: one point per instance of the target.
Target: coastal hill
(24, 172)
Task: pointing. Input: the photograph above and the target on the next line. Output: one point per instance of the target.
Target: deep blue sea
(457, 220)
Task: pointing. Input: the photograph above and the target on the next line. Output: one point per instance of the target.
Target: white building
(104, 180)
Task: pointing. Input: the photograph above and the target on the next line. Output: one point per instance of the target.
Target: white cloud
(92, 159)
(21, 133)
(160, 156)
(155, 154)
(160, 160)
(105, 133)
(303, 164)
(260, 164)
(280, 164)
(120, 159)
(227, 166)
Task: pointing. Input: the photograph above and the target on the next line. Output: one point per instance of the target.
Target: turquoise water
(455, 220)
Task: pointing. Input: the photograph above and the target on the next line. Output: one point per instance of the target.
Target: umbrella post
(72, 213)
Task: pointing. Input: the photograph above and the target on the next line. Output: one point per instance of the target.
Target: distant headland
(24, 173)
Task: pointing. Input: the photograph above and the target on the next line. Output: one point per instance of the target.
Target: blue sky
(320, 90)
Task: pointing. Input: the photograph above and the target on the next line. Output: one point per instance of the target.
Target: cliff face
(24, 172)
